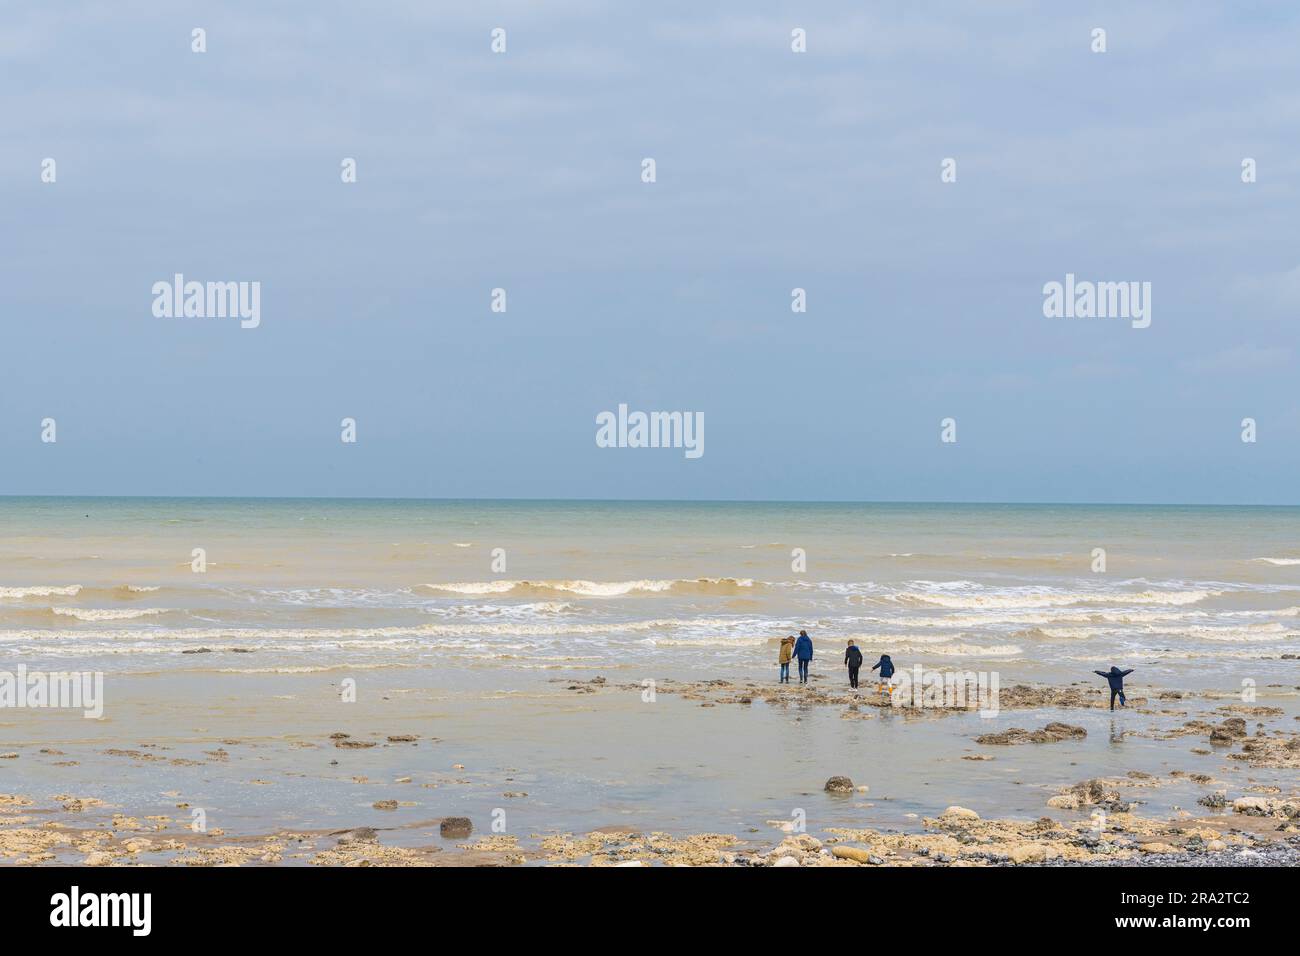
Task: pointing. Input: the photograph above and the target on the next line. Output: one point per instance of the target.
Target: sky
(775, 170)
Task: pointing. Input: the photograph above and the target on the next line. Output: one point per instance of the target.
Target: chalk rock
(1253, 806)
(1027, 853)
(839, 785)
(855, 853)
(1157, 848)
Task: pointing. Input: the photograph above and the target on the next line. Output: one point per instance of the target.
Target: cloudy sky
(775, 170)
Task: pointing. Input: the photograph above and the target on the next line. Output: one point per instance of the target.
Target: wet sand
(571, 768)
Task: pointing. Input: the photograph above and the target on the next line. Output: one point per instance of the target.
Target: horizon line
(677, 501)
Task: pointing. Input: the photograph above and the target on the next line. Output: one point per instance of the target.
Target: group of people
(800, 649)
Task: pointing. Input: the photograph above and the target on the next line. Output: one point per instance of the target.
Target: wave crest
(599, 589)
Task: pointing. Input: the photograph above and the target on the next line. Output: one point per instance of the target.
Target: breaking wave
(41, 590)
(107, 614)
(598, 589)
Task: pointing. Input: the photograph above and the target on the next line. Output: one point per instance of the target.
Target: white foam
(41, 590)
(1027, 598)
(602, 589)
(107, 614)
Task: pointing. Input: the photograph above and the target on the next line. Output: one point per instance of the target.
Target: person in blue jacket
(1115, 677)
(886, 667)
(803, 651)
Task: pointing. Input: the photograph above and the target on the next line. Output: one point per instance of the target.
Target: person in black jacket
(853, 658)
(1115, 677)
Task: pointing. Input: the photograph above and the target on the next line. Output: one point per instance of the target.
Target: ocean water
(234, 674)
(687, 589)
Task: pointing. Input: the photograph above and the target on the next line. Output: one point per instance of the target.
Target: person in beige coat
(787, 652)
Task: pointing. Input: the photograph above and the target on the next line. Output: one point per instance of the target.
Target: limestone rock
(857, 854)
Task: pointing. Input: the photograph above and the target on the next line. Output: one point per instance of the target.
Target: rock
(1027, 853)
(97, 859)
(1050, 734)
(1157, 848)
(1090, 793)
(839, 785)
(854, 853)
(630, 863)
(786, 861)
(385, 804)
(359, 835)
(1235, 726)
(1215, 801)
(455, 827)
(1229, 732)
(959, 815)
(1253, 806)
(1215, 846)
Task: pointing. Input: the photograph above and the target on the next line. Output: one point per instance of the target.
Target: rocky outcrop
(1050, 734)
(1090, 793)
(1228, 732)
(455, 828)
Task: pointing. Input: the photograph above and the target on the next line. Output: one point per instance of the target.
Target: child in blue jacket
(1115, 677)
(886, 667)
